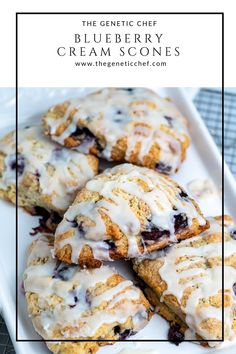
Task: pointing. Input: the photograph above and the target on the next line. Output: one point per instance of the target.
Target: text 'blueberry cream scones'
(68, 302)
(48, 174)
(122, 124)
(186, 284)
(123, 213)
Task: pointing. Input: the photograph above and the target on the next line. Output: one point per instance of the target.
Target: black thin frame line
(119, 13)
(16, 121)
(116, 340)
(123, 13)
(222, 123)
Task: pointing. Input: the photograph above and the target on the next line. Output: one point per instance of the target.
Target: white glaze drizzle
(113, 112)
(60, 172)
(83, 316)
(209, 280)
(162, 196)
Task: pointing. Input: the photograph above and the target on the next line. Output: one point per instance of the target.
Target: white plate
(203, 161)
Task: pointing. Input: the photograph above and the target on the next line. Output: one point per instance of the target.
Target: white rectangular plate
(203, 162)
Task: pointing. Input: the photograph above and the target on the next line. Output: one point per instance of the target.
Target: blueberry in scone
(68, 302)
(125, 212)
(48, 175)
(133, 125)
(185, 284)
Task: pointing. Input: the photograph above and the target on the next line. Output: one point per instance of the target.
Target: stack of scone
(130, 211)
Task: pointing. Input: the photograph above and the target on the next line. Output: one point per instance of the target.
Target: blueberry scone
(185, 284)
(48, 174)
(124, 212)
(122, 124)
(67, 302)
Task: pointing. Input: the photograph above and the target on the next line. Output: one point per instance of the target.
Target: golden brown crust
(86, 257)
(138, 208)
(40, 165)
(175, 309)
(74, 347)
(106, 305)
(169, 134)
(163, 310)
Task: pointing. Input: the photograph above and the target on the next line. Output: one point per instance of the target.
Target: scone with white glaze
(185, 284)
(68, 302)
(125, 212)
(122, 124)
(48, 175)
